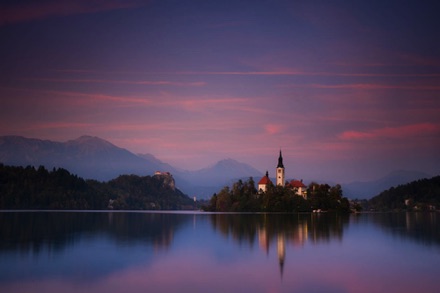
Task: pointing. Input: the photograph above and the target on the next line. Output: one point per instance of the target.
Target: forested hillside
(422, 194)
(31, 188)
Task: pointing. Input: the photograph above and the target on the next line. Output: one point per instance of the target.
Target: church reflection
(281, 249)
(281, 230)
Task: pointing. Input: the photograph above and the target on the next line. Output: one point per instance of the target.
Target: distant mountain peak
(91, 143)
(88, 156)
(228, 162)
(92, 157)
(89, 139)
(229, 168)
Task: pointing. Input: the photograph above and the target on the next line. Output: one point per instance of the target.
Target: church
(301, 189)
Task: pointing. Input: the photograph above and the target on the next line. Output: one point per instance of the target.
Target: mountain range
(95, 158)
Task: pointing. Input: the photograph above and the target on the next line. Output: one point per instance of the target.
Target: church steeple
(280, 171)
(280, 161)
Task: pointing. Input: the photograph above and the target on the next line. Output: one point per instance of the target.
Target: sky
(349, 90)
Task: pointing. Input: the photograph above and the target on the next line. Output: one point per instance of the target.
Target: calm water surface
(185, 252)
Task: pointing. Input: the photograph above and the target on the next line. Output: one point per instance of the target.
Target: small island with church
(283, 196)
(58, 189)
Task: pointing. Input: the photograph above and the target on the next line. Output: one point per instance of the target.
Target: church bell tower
(280, 171)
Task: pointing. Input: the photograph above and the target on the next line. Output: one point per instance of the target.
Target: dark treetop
(30, 188)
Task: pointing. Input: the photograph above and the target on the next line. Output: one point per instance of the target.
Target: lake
(200, 252)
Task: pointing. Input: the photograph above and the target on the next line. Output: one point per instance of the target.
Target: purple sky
(350, 90)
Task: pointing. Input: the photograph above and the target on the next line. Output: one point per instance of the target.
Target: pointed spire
(280, 161)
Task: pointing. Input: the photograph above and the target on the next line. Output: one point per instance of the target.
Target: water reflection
(280, 230)
(201, 252)
(53, 231)
(422, 228)
(31, 231)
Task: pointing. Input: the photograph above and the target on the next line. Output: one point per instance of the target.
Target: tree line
(38, 188)
(244, 197)
(419, 195)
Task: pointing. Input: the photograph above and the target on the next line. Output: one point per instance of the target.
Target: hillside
(87, 156)
(30, 188)
(423, 194)
(95, 158)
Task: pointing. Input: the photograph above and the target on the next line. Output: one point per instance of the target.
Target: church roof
(265, 180)
(297, 183)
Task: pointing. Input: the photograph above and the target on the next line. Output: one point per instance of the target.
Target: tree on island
(243, 197)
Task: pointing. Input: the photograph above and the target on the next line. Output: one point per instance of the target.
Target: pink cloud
(272, 129)
(407, 131)
(43, 9)
(61, 124)
(213, 103)
(138, 82)
(86, 99)
(69, 101)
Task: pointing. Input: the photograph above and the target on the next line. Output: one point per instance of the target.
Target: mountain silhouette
(95, 158)
(87, 156)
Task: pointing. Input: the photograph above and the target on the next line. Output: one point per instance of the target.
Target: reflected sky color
(216, 253)
(348, 90)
